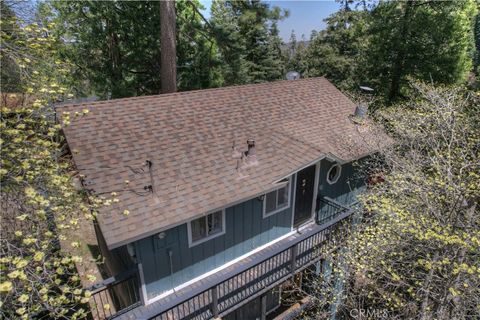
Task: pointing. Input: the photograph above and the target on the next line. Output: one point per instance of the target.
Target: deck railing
(122, 292)
(116, 295)
(230, 294)
(329, 209)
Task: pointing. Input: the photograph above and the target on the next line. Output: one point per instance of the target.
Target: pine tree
(231, 43)
(428, 40)
(116, 45)
(248, 39)
(383, 44)
(336, 52)
(295, 55)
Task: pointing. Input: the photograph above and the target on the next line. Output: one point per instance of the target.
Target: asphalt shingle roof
(188, 139)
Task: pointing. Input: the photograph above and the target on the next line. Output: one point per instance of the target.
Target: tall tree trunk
(399, 60)
(115, 89)
(168, 64)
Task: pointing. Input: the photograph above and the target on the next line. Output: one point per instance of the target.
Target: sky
(305, 16)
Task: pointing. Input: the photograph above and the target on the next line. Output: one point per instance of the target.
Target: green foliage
(428, 40)
(28, 53)
(10, 71)
(337, 51)
(417, 252)
(197, 51)
(116, 45)
(384, 44)
(39, 205)
(231, 43)
(247, 36)
(295, 54)
(417, 255)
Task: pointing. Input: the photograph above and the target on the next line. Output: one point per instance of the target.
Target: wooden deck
(236, 285)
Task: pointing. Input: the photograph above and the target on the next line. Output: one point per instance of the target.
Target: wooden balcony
(225, 291)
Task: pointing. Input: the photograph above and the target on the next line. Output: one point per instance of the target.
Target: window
(334, 173)
(207, 227)
(276, 200)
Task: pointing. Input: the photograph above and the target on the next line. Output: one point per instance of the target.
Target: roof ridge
(179, 93)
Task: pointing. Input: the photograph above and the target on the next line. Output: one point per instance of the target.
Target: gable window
(333, 173)
(276, 200)
(207, 227)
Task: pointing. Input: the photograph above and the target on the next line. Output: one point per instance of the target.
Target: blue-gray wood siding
(245, 230)
(348, 186)
(350, 183)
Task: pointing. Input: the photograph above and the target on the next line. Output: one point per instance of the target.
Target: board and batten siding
(346, 189)
(245, 230)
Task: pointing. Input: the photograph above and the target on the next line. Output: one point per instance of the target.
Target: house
(222, 193)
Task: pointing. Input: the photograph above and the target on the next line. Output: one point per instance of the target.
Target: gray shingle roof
(188, 138)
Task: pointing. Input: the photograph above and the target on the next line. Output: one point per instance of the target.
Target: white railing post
(293, 257)
(215, 302)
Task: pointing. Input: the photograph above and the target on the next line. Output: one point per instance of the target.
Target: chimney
(245, 159)
(366, 99)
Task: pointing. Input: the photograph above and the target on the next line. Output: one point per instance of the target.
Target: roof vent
(292, 75)
(366, 90)
(362, 107)
(251, 153)
(246, 159)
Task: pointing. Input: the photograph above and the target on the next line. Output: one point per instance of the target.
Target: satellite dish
(293, 75)
(366, 89)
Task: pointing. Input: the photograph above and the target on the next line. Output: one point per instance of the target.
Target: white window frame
(192, 243)
(264, 213)
(339, 173)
